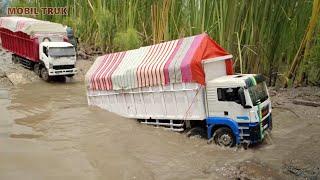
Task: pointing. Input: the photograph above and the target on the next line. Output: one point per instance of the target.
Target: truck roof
(172, 62)
(231, 80)
(30, 26)
(56, 44)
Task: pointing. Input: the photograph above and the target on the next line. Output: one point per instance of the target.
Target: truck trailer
(38, 45)
(183, 84)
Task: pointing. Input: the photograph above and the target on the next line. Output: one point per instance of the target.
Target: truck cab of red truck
(56, 59)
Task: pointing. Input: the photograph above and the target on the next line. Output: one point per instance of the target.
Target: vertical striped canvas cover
(174, 61)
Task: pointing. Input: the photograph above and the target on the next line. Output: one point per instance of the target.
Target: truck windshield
(61, 51)
(258, 93)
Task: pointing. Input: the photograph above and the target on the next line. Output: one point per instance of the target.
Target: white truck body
(157, 102)
(175, 101)
(233, 108)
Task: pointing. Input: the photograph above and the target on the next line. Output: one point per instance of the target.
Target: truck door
(228, 104)
(44, 53)
(44, 56)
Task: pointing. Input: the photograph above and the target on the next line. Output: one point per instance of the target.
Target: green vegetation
(278, 38)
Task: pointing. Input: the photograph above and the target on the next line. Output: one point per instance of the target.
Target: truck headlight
(50, 65)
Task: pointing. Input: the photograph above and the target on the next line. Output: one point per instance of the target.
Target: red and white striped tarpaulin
(30, 26)
(161, 64)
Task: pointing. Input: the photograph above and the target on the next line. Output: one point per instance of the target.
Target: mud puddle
(47, 131)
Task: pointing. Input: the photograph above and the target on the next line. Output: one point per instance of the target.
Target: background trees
(279, 39)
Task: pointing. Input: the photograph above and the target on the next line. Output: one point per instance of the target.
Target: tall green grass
(264, 36)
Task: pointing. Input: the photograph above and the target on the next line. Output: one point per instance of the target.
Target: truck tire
(36, 69)
(15, 59)
(44, 74)
(224, 137)
(197, 132)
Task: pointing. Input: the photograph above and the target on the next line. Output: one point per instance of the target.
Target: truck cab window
(229, 94)
(45, 50)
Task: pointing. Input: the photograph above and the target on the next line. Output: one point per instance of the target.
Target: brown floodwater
(47, 131)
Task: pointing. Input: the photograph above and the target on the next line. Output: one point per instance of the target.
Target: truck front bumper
(255, 132)
(61, 72)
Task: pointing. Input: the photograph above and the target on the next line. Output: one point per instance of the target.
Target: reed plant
(270, 37)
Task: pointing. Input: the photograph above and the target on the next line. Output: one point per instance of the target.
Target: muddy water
(47, 131)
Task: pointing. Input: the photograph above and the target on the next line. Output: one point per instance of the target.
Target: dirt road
(47, 131)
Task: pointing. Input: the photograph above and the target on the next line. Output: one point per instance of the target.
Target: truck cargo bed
(176, 101)
(164, 81)
(20, 44)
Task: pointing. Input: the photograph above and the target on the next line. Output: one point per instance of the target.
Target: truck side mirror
(243, 99)
(45, 51)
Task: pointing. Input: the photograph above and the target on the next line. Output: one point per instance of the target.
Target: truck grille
(63, 67)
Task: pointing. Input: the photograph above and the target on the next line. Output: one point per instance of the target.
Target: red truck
(39, 45)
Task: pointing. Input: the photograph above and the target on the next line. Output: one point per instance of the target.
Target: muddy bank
(299, 127)
(12, 74)
(47, 131)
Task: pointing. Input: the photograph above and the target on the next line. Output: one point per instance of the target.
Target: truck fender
(46, 39)
(213, 122)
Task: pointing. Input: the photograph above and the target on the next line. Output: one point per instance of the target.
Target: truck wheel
(36, 69)
(197, 132)
(45, 75)
(15, 59)
(224, 137)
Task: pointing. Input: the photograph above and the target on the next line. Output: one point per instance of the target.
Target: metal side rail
(167, 124)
